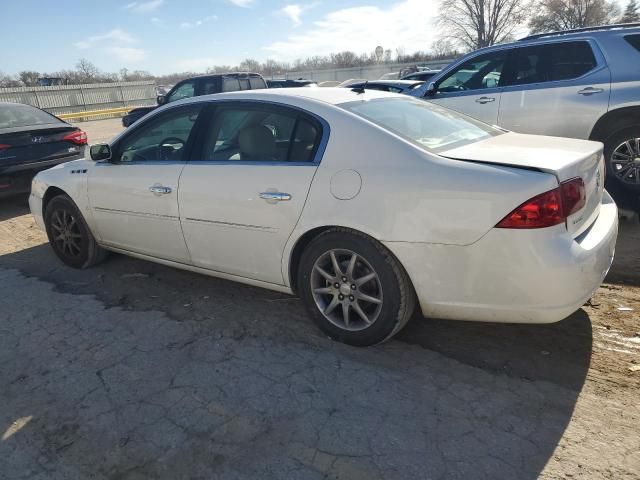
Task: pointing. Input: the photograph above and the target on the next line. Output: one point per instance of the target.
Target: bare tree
(87, 71)
(29, 78)
(8, 81)
(481, 23)
(557, 15)
(443, 48)
(631, 13)
(249, 65)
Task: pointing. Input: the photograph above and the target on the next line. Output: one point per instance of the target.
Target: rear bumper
(513, 276)
(15, 179)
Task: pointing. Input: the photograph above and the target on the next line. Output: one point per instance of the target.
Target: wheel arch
(49, 195)
(305, 239)
(614, 121)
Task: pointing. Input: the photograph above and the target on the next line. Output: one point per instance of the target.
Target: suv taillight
(549, 208)
(77, 138)
(4, 146)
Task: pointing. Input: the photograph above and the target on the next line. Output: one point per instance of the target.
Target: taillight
(78, 138)
(548, 209)
(4, 146)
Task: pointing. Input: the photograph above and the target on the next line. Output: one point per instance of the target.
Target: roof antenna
(361, 88)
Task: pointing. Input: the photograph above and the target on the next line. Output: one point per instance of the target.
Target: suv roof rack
(579, 30)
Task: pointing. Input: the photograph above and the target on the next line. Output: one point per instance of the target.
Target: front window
(162, 139)
(481, 72)
(186, 90)
(424, 124)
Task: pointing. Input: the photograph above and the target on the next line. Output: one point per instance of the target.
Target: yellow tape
(95, 113)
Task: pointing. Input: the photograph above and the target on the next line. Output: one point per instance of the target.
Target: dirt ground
(132, 370)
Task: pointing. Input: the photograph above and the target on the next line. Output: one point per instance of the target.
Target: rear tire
(623, 172)
(355, 291)
(69, 235)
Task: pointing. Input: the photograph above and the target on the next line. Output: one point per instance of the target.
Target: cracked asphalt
(133, 370)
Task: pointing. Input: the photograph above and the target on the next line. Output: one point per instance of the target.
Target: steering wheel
(167, 149)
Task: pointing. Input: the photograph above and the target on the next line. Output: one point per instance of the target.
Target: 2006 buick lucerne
(362, 203)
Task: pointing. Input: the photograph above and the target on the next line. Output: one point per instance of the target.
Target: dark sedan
(32, 140)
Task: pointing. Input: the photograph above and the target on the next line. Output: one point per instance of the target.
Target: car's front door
(559, 89)
(134, 196)
(242, 196)
(474, 87)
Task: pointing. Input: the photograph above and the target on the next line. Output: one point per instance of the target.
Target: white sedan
(365, 204)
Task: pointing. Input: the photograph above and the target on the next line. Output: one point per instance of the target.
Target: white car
(363, 204)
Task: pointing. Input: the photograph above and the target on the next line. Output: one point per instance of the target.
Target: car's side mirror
(431, 89)
(162, 99)
(100, 151)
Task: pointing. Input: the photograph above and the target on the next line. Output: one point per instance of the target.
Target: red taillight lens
(574, 196)
(548, 209)
(4, 146)
(77, 138)
(545, 210)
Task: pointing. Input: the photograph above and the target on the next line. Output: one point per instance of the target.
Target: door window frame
(509, 67)
(153, 118)
(207, 117)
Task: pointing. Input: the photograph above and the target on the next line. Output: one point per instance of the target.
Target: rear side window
(634, 40)
(550, 63)
(261, 133)
(258, 83)
(210, 85)
(244, 83)
(19, 115)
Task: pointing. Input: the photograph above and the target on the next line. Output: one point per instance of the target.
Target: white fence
(372, 72)
(82, 98)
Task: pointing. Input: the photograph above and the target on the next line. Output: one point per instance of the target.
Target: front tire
(69, 235)
(353, 288)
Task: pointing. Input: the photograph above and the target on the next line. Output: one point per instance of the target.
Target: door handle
(484, 100)
(273, 197)
(590, 91)
(159, 190)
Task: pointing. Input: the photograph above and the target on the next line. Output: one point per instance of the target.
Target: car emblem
(37, 139)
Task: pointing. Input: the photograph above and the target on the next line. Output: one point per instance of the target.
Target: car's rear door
(242, 195)
(560, 89)
(134, 197)
(474, 86)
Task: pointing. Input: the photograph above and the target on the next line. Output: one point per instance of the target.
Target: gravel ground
(133, 370)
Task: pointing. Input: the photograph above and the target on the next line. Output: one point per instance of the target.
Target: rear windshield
(428, 126)
(634, 40)
(18, 115)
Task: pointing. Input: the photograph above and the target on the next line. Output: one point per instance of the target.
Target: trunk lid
(36, 143)
(565, 158)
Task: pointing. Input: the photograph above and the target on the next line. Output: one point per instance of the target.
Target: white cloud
(144, 7)
(293, 12)
(127, 54)
(408, 24)
(194, 64)
(115, 35)
(198, 23)
(158, 22)
(242, 3)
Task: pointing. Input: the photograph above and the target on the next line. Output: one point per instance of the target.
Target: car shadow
(444, 399)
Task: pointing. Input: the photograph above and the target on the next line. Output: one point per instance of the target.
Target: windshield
(429, 126)
(18, 115)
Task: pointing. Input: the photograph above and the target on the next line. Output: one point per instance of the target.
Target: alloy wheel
(66, 233)
(625, 161)
(346, 289)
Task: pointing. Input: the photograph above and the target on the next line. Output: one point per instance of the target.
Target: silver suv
(580, 84)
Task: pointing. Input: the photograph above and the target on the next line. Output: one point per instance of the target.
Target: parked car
(290, 83)
(32, 140)
(580, 84)
(422, 75)
(200, 85)
(361, 203)
(394, 86)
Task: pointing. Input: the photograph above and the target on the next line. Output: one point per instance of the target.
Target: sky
(164, 36)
